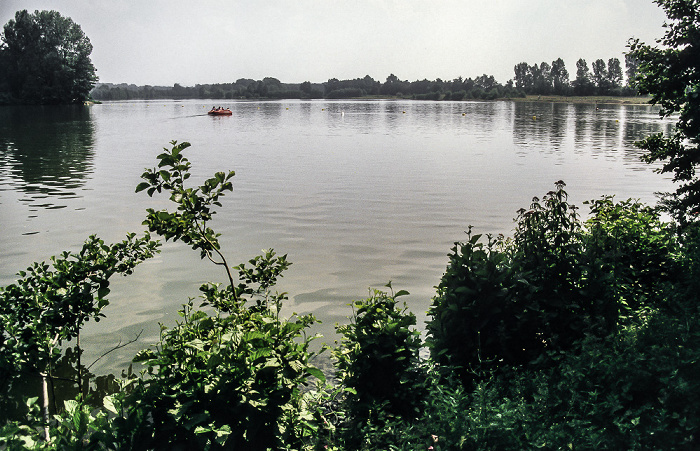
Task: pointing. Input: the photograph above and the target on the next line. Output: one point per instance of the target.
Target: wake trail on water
(185, 117)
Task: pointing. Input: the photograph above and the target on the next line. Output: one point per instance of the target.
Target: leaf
(71, 406)
(313, 371)
(401, 293)
(108, 402)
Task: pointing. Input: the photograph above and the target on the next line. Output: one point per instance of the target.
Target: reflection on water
(599, 129)
(46, 152)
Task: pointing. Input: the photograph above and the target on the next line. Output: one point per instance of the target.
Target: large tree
(583, 84)
(523, 77)
(631, 67)
(600, 76)
(46, 58)
(670, 72)
(560, 77)
(614, 74)
(542, 76)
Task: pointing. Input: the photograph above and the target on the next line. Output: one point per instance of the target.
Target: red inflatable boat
(220, 112)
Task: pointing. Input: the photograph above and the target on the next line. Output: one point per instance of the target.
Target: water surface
(357, 193)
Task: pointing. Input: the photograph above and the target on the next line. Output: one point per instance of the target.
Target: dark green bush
(558, 280)
(636, 253)
(377, 361)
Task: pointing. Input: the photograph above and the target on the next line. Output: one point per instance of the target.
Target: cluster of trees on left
(45, 59)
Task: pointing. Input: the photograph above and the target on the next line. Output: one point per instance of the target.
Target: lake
(357, 193)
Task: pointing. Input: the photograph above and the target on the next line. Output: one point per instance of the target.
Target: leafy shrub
(512, 302)
(48, 305)
(378, 362)
(228, 380)
(635, 252)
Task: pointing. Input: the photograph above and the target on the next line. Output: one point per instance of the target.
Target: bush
(229, 380)
(377, 362)
(512, 302)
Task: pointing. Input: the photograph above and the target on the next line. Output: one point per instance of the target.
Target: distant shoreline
(636, 100)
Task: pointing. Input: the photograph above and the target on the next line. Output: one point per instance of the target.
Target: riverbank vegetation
(541, 80)
(580, 331)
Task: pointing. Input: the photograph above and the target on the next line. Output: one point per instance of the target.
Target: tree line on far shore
(605, 79)
(539, 79)
(483, 87)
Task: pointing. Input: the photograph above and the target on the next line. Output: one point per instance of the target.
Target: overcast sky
(161, 42)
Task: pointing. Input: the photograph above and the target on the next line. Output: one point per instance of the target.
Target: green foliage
(635, 253)
(264, 271)
(47, 59)
(49, 304)
(507, 302)
(671, 74)
(512, 302)
(570, 335)
(232, 379)
(195, 206)
(24, 433)
(229, 380)
(471, 304)
(377, 362)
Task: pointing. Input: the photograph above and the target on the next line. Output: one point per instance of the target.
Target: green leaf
(108, 403)
(71, 406)
(316, 373)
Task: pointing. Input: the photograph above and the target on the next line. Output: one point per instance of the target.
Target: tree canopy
(671, 75)
(45, 59)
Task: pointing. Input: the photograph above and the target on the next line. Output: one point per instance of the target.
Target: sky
(162, 42)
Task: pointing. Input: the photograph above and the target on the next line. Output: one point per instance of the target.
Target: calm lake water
(357, 193)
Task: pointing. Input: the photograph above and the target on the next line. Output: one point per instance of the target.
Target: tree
(671, 75)
(47, 59)
(523, 77)
(631, 67)
(560, 77)
(542, 76)
(583, 85)
(305, 87)
(600, 76)
(46, 308)
(614, 73)
(392, 86)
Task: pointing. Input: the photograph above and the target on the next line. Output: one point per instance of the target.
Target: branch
(201, 228)
(120, 345)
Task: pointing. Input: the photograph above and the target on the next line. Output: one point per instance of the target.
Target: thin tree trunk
(45, 395)
(80, 378)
